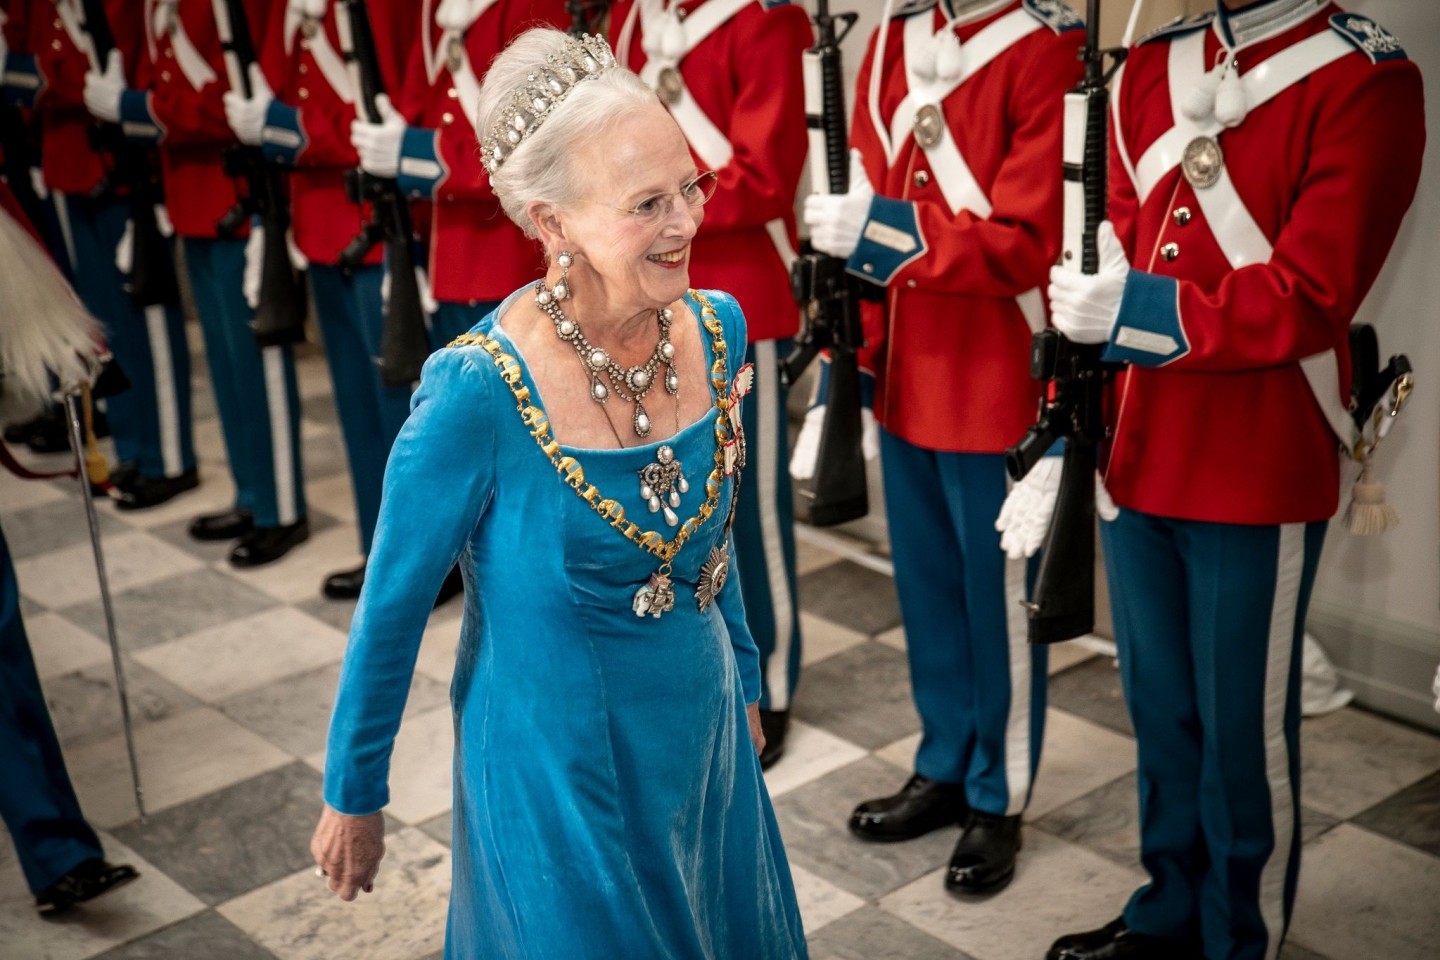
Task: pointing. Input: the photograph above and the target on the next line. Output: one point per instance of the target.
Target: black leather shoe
(86, 882)
(1116, 941)
(453, 586)
(222, 526)
(18, 433)
(267, 544)
(143, 492)
(344, 585)
(50, 432)
(921, 805)
(984, 857)
(774, 724)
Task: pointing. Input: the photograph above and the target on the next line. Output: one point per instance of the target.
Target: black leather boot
(344, 584)
(143, 492)
(268, 544)
(228, 525)
(921, 805)
(1116, 941)
(86, 882)
(984, 857)
(774, 724)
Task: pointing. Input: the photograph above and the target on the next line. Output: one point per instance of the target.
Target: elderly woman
(578, 454)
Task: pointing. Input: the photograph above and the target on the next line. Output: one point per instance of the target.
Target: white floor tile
(821, 902)
(823, 639)
(233, 657)
(1079, 756)
(1066, 655)
(62, 577)
(298, 918)
(60, 647)
(332, 495)
(901, 753)
(810, 753)
(421, 766)
(181, 758)
(17, 494)
(439, 643)
(1362, 895)
(894, 637)
(297, 575)
(1058, 888)
(1351, 760)
(140, 907)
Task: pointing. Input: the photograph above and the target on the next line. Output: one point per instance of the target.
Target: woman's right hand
(348, 851)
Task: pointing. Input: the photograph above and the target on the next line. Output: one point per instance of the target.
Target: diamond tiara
(544, 90)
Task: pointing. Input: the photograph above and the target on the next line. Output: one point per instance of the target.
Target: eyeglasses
(654, 210)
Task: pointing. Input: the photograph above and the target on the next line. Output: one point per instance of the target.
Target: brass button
(58, 24)
(449, 198)
(910, 284)
(1182, 216)
(55, 45)
(447, 118)
(304, 69)
(681, 13)
(305, 44)
(169, 53)
(922, 177)
(304, 93)
(867, 267)
(452, 94)
(1170, 251)
(165, 76)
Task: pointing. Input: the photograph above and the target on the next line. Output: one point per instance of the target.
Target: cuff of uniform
(890, 239)
(20, 81)
(1057, 449)
(421, 169)
(137, 120)
(282, 137)
(1148, 331)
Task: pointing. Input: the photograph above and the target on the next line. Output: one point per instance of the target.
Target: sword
(77, 443)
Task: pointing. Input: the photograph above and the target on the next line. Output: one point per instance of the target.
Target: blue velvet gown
(608, 801)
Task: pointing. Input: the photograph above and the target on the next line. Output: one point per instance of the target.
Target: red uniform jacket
(950, 347)
(69, 162)
(182, 98)
(1215, 419)
(308, 127)
(746, 78)
(441, 157)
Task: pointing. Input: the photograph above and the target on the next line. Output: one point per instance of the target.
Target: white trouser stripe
(167, 409)
(765, 460)
(1017, 724)
(62, 211)
(1289, 568)
(277, 402)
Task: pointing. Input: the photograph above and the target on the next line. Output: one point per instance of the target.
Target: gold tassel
(1368, 513)
(95, 466)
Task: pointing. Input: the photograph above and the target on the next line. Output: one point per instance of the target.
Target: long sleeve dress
(608, 802)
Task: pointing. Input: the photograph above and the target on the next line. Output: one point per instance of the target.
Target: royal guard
(954, 212)
(91, 184)
(301, 104)
(1263, 158)
(729, 71)
(182, 77)
(427, 140)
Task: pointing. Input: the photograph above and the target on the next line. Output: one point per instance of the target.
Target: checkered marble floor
(231, 677)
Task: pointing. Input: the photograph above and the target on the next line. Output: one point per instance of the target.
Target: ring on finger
(320, 872)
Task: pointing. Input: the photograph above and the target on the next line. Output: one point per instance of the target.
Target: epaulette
(772, 4)
(1369, 37)
(1055, 14)
(911, 7)
(1178, 26)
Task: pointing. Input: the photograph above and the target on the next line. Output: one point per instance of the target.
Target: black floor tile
(1411, 816)
(861, 694)
(205, 936)
(172, 608)
(872, 934)
(851, 596)
(1092, 690)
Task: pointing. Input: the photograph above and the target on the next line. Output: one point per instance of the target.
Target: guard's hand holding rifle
(378, 144)
(836, 219)
(103, 90)
(246, 115)
(1085, 306)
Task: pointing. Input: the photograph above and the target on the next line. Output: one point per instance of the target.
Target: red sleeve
(1363, 169)
(1011, 250)
(767, 127)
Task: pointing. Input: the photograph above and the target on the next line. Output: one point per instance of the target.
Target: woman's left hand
(757, 735)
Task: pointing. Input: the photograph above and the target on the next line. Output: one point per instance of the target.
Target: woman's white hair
(541, 167)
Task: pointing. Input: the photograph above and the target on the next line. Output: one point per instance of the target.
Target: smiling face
(624, 266)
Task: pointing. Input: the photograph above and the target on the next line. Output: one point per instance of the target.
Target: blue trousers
(37, 801)
(255, 390)
(452, 319)
(1208, 621)
(765, 529)
(979, 686)
(151, 421)
(351, 315)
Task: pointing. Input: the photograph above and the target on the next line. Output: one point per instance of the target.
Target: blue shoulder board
(910, 7)
(1055, 14)
(772, 4)
(1178, 26)
(1373, 40)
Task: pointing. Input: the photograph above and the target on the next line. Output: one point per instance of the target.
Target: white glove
(246, 115)
(807, 444)
(125, 249)
(254, 264)
(298, 260)
(836, 219)
(103, 90)
(379, 143)
(1025, 516)
(1085, 306)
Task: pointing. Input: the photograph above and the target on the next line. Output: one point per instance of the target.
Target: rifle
(404, 340)
(829, 296)
(280, 314)
(152, 276)
(1071, 407)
